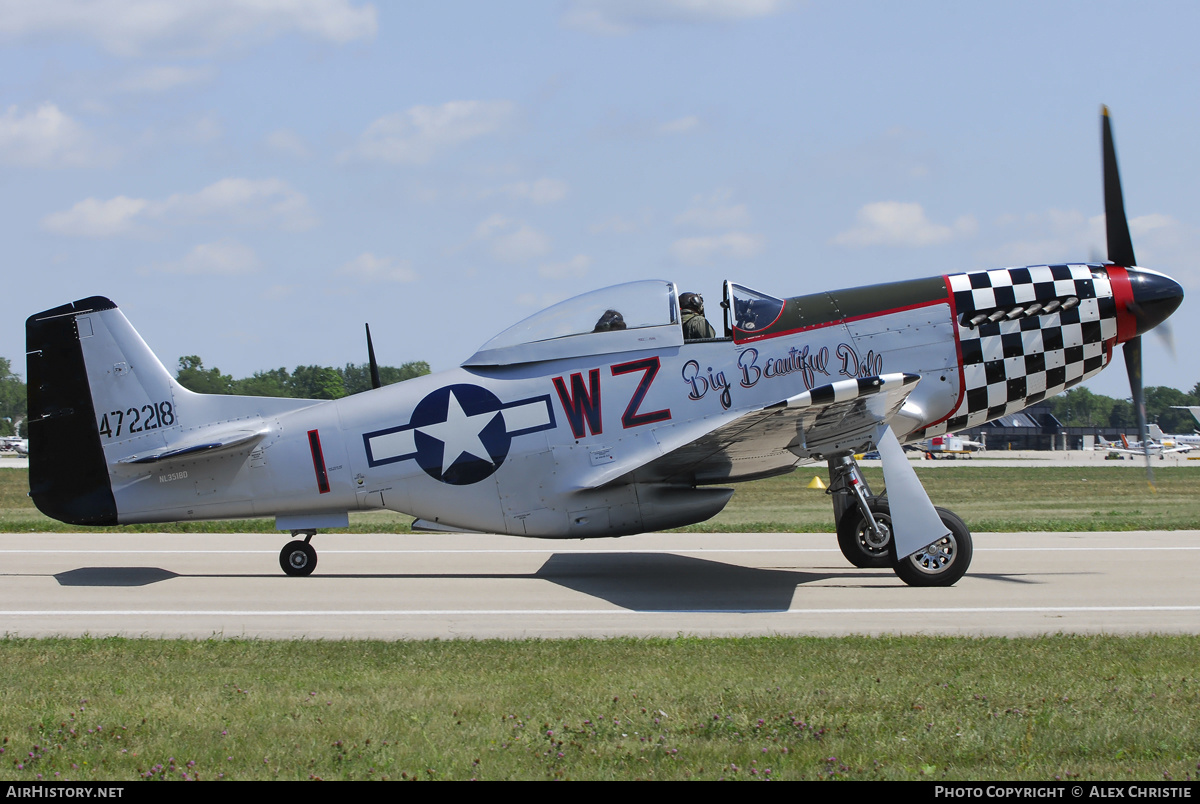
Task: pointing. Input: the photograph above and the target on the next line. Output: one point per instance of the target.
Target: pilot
(610, 321)
(695, 325)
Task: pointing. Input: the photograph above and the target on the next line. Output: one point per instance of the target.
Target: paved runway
(471, 586)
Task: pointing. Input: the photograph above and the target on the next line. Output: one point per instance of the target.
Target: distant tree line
(12, 399)
(1079, 407)
(303, 382)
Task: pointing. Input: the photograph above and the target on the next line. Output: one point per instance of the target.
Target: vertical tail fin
(96, 393)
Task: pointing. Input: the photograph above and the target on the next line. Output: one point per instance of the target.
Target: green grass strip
(1060, 707)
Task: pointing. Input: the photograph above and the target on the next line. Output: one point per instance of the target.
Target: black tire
(943, 562)
(859, 545)
(298, 558)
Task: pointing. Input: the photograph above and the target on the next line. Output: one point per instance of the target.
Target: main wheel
(861, 546)
(943, 562)
(298, 558)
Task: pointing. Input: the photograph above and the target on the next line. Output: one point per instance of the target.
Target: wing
(770, 440)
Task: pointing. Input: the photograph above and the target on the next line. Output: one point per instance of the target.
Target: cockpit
(636, 315)
(621, 318)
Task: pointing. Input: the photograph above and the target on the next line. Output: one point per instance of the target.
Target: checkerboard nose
(1155, 297)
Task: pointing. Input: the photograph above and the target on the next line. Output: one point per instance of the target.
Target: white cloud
(370, 268)
(1160, 241)
(1147, 224)
(417, 135)
(189, 27)
(265, 202)
(625, 16)
(165, 78)
(45, 137)
(574, 268)
(681, 126)
(223, 258)
(896, 223)
(714, 212)
(260, 202)
(729, 246)
(1055, 235)
(288, 142)
(95, 218)
(512, 240)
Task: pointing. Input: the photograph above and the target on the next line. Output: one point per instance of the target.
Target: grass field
(1070, 708)
(989, 499)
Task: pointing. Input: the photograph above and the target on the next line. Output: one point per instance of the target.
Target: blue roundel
(460, 434)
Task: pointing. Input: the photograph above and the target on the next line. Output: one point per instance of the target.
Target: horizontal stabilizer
(428, 526)
(202, 442)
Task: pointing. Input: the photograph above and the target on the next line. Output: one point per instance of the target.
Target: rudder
(68, 475)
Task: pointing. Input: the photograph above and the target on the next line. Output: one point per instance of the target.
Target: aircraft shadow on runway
(114, 576)
(635, 581)
(668, 582)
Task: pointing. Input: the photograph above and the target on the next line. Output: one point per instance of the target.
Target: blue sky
(251, 181)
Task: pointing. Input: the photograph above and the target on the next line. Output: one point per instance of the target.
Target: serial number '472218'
(137, 420)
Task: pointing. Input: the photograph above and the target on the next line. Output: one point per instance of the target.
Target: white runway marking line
(585, 551)
(577, 612)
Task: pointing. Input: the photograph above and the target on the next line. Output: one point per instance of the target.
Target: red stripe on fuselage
(958, 359)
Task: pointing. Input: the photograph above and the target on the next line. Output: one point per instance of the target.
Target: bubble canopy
(635, 315)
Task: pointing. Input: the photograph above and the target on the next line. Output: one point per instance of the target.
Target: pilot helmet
(692, 301)
(610, 321)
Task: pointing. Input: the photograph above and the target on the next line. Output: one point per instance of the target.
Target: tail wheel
(298, 558)
(863, 547)
(944, 561)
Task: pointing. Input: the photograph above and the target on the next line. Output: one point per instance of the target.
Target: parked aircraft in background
(1157, 444)
(596, 417)
(1179, 443)
(947, 446)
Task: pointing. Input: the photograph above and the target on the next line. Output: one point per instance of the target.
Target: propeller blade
(375, 383)
(1133, 365)
(1120, 246)
(1166, 334)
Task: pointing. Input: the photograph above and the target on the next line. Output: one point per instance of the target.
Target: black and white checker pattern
(1009, 365)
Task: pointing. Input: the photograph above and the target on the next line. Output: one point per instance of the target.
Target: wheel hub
(936, 557)
(878, 539)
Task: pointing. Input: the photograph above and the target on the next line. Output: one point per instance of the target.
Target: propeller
(1120, 252)
(375, 383)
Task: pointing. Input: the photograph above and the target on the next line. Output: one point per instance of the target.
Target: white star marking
(459, 434)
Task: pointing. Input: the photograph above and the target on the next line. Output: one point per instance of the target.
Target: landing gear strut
(864, 522)
(298, 557)
(864, 532)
